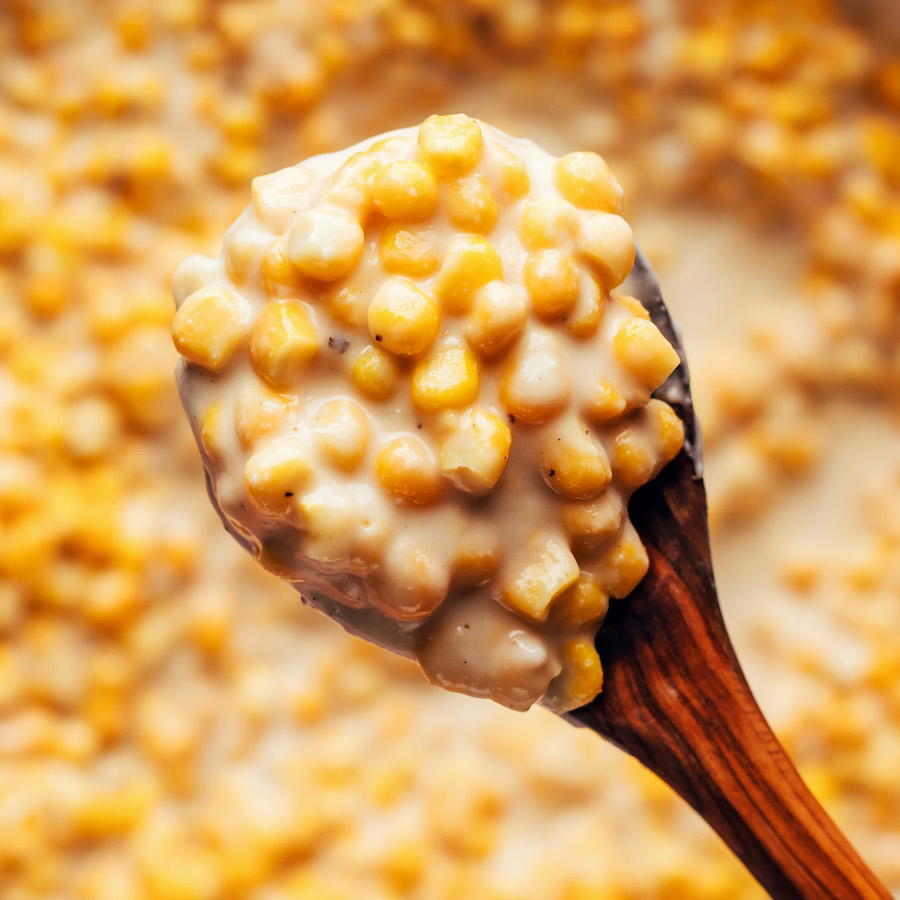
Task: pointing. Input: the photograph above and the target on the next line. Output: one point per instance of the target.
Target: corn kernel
(549, 570)
(633, 305)
(584, 603)
(607, 241)
(418, 581)
(325, 244)
(515, 181)
(275, 474)
(604, 403)
(346, 523)
(634, 461)
(642, 350)
(585, 181)
(474, 454)
(348, 305)
(283, 343)
(351, 186)
(451, 145)
(477, 555)
(573, 463)
(375, 373)
(342, 431)
(446, 379)
(276, 268)
(209, 326)
(581, 678)
(553, 281)
(585, 317)
(405, 190)
(409, 251)
(590, 524)
(277, 196)
(471, 205)
(244, 255)
(669, 430)
(471, 262)
(407, 469)
(547, 222)
(536, 384)
(496, 319)
(402, 318)
(622, 567)
(260, 414)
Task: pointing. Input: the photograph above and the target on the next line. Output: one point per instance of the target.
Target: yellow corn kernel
(471, 205)
(260, 414)
(446, 379)
(113, 599)
(348, 305)
(375, 373)
(669, 430)
(471, 262)
(496, 318)
(276, 268)
(342, 431)
(553, 281)
(345, 522)
(581, 678)
(402, 318)
(633, 305)
(585, 181)
(351, 186)
(283, 343)
(212, 435)
(474, 454)
(643, 351)
(581, 604)
(278, 195)
(404, 865)
(549, 569)
(209, 326)
(245, 251)
(451, 145)
(477, 555)
(585, 317)
(604, 403)
(325, 243)
(188, 873)
(536, 384)
(418, 580)
(515, 181)
(620, 569)
(407, 469)
(634, 460)
(405, 190)
(607, 241)
(590, 524)
(547, 222)
(274, 475)
(573, 463)
(409, 251)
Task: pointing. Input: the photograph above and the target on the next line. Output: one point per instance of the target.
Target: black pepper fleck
(377, 337)
(512, 419)
(288, 493)
(339, 343)
(552, 472)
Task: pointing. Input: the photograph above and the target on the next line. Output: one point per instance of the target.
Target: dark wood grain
(675, 699)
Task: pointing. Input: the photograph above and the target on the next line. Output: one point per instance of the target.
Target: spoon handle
(675, 698)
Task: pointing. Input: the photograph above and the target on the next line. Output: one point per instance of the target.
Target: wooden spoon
(675, 697)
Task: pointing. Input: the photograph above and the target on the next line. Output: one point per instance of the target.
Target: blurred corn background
(173, 724)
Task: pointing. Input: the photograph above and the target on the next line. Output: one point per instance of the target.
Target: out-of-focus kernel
(474, 454)
(283, 343)
(471, 205)
(275, 474)
(325, 243)
(585, 181)
(403, 318)
(209, 325)
(407, 469)
(451, 145)
(375, 373)
(341, 429)
(553, 281)
(405, 190)
(445, 379)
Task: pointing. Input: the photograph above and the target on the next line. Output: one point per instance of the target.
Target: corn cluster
(172, 725)
(411, 385)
